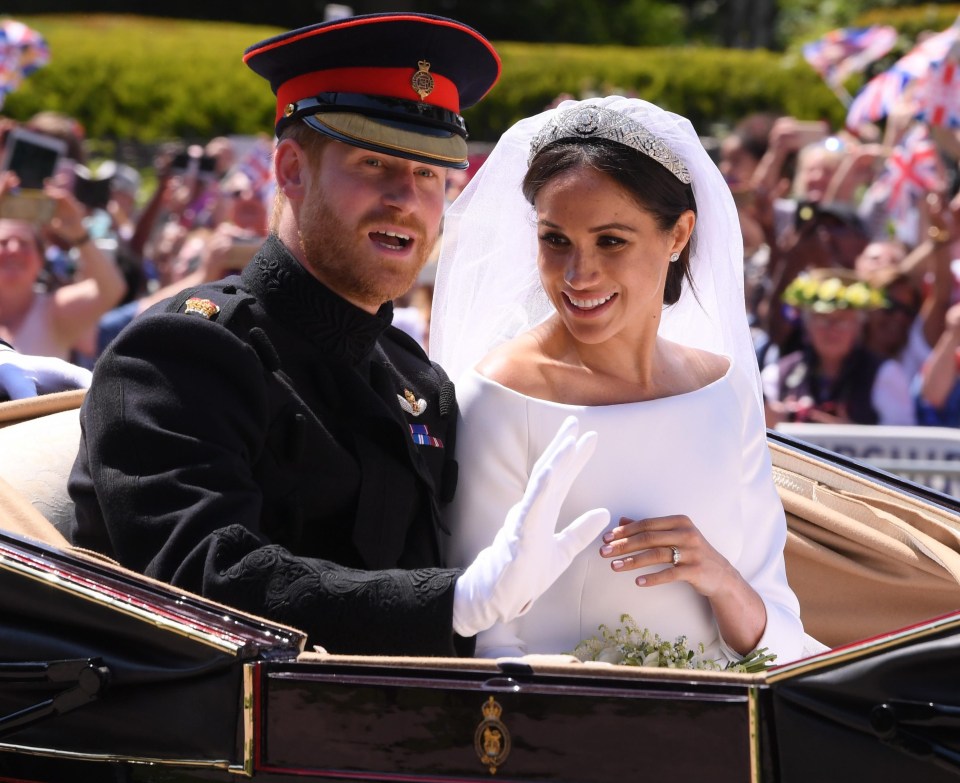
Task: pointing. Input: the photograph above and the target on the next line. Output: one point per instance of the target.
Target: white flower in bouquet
(630, 645)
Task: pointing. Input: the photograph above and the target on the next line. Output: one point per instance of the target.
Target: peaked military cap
(393, 83)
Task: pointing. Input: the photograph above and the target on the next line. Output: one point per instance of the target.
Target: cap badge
(289, 109)
(202, 307)
(411, 404)
(422, 81)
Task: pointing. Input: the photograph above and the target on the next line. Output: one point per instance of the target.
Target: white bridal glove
(26, 376)
(527, 556)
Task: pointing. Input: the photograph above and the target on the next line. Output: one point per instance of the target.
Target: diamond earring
(674, 257)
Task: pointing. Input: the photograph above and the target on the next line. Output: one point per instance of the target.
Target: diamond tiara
(599, 122)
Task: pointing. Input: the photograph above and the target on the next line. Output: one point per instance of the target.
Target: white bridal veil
(488, 288)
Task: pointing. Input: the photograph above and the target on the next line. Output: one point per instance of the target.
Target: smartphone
(242, 251)
(90, 191)
(31, 206)
(33, 156)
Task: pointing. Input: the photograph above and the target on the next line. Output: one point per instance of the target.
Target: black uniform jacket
(263, 442)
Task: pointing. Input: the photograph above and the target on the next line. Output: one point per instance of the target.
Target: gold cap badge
(202, 307)
(422, 81)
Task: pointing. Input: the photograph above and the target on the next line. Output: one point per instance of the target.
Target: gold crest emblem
(202, 307)
(422, 81)
(491, 739)
(289, 109)
(411, 404)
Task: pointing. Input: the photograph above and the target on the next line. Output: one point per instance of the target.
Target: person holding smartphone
(51, 321)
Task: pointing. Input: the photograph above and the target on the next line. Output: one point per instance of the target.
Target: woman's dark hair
(653, 187)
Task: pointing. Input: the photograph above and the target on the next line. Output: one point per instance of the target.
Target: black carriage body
(99, 663)
(393, 722)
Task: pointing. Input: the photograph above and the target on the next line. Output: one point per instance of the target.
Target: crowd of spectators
(854, 300)
(74, 272)
(849, 267)
(78, 263)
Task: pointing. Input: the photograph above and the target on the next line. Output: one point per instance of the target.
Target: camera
(93, 192)
(189, 165)
(833, 217)
(807, 212)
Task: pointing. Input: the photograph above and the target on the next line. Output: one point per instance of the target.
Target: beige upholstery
(18, 516)
(37, 454)
(862, 559)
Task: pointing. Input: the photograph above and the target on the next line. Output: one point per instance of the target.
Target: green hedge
(707, 85)
(910, 21)
(147, 79)
(144, 79)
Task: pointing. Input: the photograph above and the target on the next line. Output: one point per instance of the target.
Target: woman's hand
(649, 542)
(675, 541)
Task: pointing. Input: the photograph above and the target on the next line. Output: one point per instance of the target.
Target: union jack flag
(876, 99)
(22, 51)
(911, 172)
(256, 164)
(882, 92)
(848, 50)
(938, 95)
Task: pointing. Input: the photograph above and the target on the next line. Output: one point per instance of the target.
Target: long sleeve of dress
(494, 460)
(761, 560)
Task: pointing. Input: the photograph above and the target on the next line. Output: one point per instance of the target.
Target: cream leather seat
(38, 444)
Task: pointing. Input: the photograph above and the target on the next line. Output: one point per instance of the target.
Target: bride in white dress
(616, 298)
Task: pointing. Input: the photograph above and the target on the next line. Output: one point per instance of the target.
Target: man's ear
(290, 169)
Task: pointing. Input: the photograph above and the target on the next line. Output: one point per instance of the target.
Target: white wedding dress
(703, 454)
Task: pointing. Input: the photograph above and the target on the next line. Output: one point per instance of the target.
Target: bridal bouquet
(630, 645)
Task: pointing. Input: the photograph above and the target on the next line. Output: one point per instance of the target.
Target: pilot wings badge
(411, 404)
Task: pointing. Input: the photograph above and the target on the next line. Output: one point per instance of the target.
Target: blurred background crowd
(851, 239)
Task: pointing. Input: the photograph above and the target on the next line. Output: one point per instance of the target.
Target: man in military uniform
(271, 441)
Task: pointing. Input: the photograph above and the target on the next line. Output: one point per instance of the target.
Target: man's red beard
(332, 253)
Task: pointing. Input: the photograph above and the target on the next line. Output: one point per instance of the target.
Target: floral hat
(826, 290)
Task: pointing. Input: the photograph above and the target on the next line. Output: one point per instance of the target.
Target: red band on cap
(385, 82)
